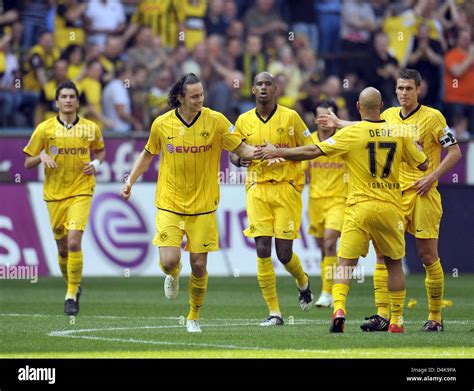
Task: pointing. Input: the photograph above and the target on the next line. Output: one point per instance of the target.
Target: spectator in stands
(46, 107)
(90, 89)
(233, 52)
(358, 23)
(458, 82)
(303, 19)
(236, 30)
(427, 58)
(70, 23)
(230, 11)
(33, 16)
(224, 95)
(74, 55)
(12, 97)
(332, 90)
(286, 64)
(139, 95)
(329, 23)
(264, 20)
(311, 96)
(308, 64)
(144, 52)
(382, 70)
(112, 58)
(178, 58)
(157, 102)
(250, 64)
(194, 21)
(215, 21)
(117, 105)
(104, 18)
(39, 63)
(162, 16)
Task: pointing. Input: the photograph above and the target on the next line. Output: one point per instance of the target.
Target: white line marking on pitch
(69, 334)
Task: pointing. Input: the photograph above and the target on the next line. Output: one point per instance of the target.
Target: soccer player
(274, 204)
(373, 153)
(327, 202)
(63, 145)
(421, 200)
(190, 139)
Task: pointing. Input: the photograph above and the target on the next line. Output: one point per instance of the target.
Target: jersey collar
(269, 116)
(410, 114)
(184, 122)
(375, 122)
(63, 124)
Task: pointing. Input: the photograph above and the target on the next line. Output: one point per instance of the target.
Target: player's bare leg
(292, 264)
(397, 293)
(171, 266)
(328, 263)
(340, 289)
(75, 263)
(197, 290)
(267, 280)
(62, 256)
(434, 281)
(381, 320)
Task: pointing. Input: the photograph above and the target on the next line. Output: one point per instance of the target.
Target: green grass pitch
(129, 317)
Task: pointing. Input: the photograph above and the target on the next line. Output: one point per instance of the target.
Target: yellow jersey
(188, 181)
(372, 154)
(283, 128)
(70, 148)
(163, 16)
(328, 176)
(428, 127)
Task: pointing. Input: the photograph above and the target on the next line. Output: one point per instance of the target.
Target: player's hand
(424, 185)
(47, 160)
(327, 120)
(89, 169)
(245, 162)
(126, 191)
(276, 160)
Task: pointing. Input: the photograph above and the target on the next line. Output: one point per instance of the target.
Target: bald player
(372, 152)
(421, 201)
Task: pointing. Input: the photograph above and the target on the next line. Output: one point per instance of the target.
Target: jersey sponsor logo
(328, 165)
(171, 138)
(73, 151)
(277, 145)
(188, 149)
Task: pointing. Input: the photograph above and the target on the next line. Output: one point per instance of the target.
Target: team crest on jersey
(53, 149)
(204, 134)
(163, 236)
(170, 148)
(280, 130)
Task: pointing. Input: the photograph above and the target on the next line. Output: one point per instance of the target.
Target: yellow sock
(174, 272)
(267, 281)
(434, 288)
(382, 299)
(63, 266)
(74, 273)
(296, 270)
(339, 295)
(197, 291)
(397, 302)
(327, 272)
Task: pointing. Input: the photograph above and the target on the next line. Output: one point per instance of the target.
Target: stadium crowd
(125, 55)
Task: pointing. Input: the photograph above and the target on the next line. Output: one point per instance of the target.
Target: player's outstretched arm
(305, 152)
(139, 167)
(43, 157)
(331, 120)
